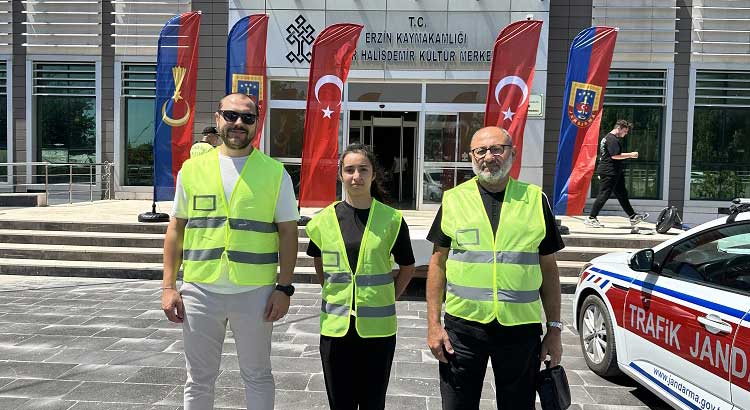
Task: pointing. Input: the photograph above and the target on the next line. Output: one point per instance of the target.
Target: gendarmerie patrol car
(676, 318)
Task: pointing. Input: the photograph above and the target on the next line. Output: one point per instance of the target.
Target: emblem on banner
(178, 75)
(251, 85)
(584, 103)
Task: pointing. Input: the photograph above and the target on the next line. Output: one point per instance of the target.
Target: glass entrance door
(392, 137)
(446, 152)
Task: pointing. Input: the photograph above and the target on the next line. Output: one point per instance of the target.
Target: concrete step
(99, 239)
(80, 253)
(570, 269)
(585, 254)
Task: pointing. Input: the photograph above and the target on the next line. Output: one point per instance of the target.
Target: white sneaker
(593, 222)
(638, 218)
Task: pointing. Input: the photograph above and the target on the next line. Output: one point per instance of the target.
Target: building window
(138, 93)
(721, 136)
(289, 90)
(4, 119)
(447, 141)
(65, 98)
(638, 97)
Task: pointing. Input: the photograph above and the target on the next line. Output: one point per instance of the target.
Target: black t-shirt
(608, 147)
(352, 222)
(493, 204)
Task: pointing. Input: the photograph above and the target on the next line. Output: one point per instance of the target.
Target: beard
(492, 177)
(236, 144)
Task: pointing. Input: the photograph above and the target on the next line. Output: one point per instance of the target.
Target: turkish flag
(511, 77)
(331, 57)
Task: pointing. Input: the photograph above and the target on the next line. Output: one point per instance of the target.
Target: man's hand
(437, 339)
(552, 346)
(278, 305)
(634, 154)
(171, 303)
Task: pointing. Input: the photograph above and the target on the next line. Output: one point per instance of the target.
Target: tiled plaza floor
(73, 343)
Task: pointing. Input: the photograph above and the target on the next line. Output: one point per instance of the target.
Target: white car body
(684, 330)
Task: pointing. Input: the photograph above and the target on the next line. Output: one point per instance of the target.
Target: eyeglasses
(495, 150)
(231, 116)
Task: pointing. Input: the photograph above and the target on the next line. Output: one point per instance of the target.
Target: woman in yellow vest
(352, 243)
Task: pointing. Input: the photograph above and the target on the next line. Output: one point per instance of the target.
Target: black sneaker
(638, 218)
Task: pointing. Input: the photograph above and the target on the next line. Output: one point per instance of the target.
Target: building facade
(79, 78)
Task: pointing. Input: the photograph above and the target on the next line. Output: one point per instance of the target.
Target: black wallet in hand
(553, 389)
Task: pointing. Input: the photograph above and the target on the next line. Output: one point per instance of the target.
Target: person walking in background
(209, 140)
(493, 262)
(352, 243)
(234, 223)
(611, 172)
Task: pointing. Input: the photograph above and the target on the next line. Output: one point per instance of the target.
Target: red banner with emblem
(511, 77)
(331, 57)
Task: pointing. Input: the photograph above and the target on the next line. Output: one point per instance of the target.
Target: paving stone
(119, 392)
(407, 355)
(84, 356)
(230, 397)
(100, 373)
(171, 334)
(5, 380)
(31, 318)
(158, 375)
(296, 400)
(405, 403)
(95, 405)
(12, 402)
(37, 370)
(46, 404)
(69, 330)
(125, 332)
(143, 345)
(48, 341)
(10, 339)
(92, 342)
(38, 388)
(155, 359)
(287, 350)
(124, 313)
(120, 322)
(25, 353)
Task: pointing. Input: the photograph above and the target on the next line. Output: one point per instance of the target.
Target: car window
(719, 256)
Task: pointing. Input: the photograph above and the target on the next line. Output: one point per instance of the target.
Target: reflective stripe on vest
(486, 294)
(373, 283)
(518, 258)
(494, 275)
(235, 235)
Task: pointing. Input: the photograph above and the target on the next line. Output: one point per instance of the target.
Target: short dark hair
(255, 103)
(623, 124)
(209, 130)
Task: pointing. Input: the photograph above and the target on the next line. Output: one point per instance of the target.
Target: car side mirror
(642, 261)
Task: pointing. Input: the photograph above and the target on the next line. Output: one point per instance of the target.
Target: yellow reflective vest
(239, 232)
(371, 285)
(494, 276)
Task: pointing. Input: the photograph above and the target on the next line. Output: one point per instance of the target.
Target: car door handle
(714, 324)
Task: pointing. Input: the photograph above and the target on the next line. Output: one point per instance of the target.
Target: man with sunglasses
(493, 259)
(233, 225)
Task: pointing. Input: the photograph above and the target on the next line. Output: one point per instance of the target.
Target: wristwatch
(287, 289)
(556, 324)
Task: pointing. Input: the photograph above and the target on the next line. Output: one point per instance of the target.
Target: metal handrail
(81, 178)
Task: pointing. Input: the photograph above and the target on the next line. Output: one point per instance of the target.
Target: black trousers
(515, 363)
(356, 369)
(608, 185)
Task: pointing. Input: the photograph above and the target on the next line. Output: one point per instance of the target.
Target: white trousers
(203, 330)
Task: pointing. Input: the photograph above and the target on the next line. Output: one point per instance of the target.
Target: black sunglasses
(231, 116)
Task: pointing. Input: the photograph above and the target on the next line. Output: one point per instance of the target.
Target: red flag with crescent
(332, 55)
(511, 77)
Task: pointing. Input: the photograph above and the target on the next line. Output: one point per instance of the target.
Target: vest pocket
(330, 259)
(204, 202)
(465, 237)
